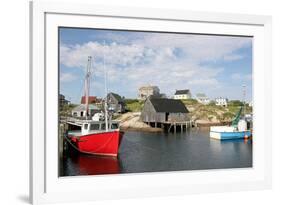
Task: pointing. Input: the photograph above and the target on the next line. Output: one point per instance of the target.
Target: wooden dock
(62, 130)
(174, 126)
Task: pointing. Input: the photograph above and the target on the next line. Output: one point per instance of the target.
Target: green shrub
(235, 103)
(134, 105)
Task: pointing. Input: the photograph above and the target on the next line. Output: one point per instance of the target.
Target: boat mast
(87, 85)
(105, 89)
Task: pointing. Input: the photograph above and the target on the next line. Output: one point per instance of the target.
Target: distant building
(251, 104)
(80, 110)
(202, 98)
(116, 103)
(221, 101)
(92, 100)
(63, 101)
(147, 91)
(182, 94)
(163, 110)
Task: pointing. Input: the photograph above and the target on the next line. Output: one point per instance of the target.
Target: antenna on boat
(105, 89)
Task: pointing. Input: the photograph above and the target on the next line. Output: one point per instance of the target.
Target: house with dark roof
(63, 101)
(182, 94)
(116, 103)
(164, 110)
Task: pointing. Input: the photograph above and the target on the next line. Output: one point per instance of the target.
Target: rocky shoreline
(131, 121)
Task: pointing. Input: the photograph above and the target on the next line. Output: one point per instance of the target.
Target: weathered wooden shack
(163, 110)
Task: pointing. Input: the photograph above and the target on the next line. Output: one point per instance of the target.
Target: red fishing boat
(94, 139)
(98, 135)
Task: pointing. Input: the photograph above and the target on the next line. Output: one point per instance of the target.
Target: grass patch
(190, 102)
(134, 105)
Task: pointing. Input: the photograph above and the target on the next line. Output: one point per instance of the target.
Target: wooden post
(170, 128)
(62, 130)
(175, 128)
(181, 127)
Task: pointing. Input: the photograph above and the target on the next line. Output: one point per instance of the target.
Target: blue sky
(215, 65)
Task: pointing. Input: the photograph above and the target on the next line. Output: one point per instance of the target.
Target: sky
(215, 65)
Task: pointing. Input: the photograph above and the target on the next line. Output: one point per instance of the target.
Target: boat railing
(81, 121)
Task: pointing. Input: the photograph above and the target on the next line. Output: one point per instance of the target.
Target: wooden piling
(61, 142)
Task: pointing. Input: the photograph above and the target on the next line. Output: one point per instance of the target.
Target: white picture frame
(46, 186)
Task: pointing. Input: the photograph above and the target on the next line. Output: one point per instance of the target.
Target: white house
(202, 98)
(80, 110)
(182, 94)
(221, 101)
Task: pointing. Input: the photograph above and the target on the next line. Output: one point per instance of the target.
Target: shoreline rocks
(130, 121)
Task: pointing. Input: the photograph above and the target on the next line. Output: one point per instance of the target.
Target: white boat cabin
(98, 126)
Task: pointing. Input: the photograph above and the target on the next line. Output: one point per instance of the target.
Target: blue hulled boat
(237, 130)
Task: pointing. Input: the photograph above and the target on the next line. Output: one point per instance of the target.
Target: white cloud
(199, 47)
(239, 76)
(232, 57)
(170, 61)
(67, 77)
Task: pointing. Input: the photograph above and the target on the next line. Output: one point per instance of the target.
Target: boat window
(103, 126)
(114, 126)
(85, 126)
(94, 127)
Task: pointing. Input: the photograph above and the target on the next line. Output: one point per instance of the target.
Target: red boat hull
(106, 143)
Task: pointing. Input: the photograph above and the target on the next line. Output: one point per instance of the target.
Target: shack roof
(182, 92)
(168, 105)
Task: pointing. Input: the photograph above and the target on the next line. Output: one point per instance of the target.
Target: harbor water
(155, 152)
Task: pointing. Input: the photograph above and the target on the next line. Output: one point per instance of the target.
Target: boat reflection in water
(83, 164)
(142, 152)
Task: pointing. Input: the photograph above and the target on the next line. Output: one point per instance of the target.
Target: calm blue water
(154, 152)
